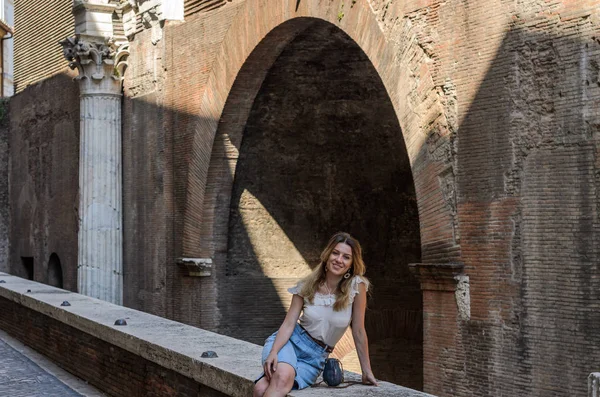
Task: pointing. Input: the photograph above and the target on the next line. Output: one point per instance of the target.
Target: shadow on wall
(43, 180)
(528, 162)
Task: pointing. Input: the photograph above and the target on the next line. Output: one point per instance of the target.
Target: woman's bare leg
(260, 387)
(282, 381)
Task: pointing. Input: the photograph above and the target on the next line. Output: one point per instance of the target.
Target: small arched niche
(55, 275)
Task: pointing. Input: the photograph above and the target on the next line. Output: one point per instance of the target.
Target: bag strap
(349, 383)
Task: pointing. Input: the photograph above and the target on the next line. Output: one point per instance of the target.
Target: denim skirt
(302, 353)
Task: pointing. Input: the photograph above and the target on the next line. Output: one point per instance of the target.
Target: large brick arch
(424, 112)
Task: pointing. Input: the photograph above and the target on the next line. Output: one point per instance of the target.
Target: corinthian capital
(95, 63)
(92, 60)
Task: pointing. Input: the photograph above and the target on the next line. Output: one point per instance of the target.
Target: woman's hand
(270, 365)
(369, 379)
(283, 335)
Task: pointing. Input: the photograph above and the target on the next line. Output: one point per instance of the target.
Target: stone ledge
(437, 276)
(196, 267)
(167, 343)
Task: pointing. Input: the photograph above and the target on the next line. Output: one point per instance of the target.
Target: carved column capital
(95, 62)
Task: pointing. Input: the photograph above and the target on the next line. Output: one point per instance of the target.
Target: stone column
(100, 255)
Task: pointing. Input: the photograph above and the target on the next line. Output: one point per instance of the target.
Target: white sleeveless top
(319, 318)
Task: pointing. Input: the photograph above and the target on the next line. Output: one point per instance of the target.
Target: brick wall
(481, 91)
(111, 369)
(44, 177)
(164, 168)
(528, 209)
(145, 224)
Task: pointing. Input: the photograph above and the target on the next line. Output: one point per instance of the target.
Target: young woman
(331, 298)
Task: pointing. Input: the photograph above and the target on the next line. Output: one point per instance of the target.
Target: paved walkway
(19, 376)
(22, 377)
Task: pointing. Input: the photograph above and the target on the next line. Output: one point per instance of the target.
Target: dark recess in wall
(55, 275)
(27, 262)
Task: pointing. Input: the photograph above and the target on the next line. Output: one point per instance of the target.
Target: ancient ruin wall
(530, 139)
(146, 172)
(44, 178)
(498, 105)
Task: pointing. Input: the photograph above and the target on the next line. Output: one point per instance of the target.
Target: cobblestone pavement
(21, 377)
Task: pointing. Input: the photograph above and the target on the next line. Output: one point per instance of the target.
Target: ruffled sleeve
(354, 287)
(295, 290)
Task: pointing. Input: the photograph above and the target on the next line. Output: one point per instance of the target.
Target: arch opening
(55, 274)
(322, 151)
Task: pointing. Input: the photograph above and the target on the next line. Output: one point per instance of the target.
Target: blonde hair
(310, 284)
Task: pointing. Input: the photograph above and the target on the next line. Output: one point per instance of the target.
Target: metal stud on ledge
(209, 354)
(121, 321)
(2, 281)
(65, 303)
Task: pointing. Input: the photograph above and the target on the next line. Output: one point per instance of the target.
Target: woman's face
(340, 259)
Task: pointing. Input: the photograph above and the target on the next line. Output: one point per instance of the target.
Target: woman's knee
(260, 387)
(284, 376)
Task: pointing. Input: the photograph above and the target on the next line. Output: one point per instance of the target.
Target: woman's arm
(283, 335)
(360, 334)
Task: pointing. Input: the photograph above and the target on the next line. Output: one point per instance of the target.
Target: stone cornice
(93, 6)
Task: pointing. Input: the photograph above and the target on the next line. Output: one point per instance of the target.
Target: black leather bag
(333, 373)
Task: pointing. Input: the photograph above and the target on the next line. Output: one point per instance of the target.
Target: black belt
(328, 349)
